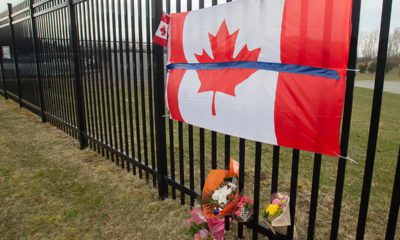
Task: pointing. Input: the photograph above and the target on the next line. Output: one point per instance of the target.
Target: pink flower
(237, 213)
(197, 216)
(276, 201)
(196, 237)
(203, 233)
(217, 228)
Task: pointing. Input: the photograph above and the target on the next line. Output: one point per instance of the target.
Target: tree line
(368, 49)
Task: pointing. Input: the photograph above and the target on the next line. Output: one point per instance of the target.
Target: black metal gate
(89, 68)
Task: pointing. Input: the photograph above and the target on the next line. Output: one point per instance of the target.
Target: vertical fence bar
(158, 71)
(98, 73)
(91, 72)
(3, 77)
(70, 68)
(171, 134)
(227, 158)
(201, 133)
(14, 51)
(55, 70)
(51, 66)
(348, 103)
(293, 191)
(135, 89)
(395, 203)
(134, 73)
(63, 87)
(111, 25)
(80, 109)
(181, 164)
(242, 153)
(124, 137)
(172, 154)
(213, 150)
(82, 55)
(202, 159)
(314, 196)
(191, 163)
(89, 40)
(180, 137)
(101, 103)
(375, 116)
(67, 63)
(115, 53)
(142, 86)
(106, 108)
(190, 142)
(214, 134)
(129, 89)
(85, 64)
(257, 179)
(45, 49)
(275, 169)
(150, 89)
(37, 66)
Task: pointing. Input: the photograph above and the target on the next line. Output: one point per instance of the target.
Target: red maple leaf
(163, 30)
(224, 80)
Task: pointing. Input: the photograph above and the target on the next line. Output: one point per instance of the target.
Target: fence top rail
(21, 19)
(51, 9)
(3, 15)
(4, 18)
(40, 3)
(4, 25)
(20, 6)
(26, 9)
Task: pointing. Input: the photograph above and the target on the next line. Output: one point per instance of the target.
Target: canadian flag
(161, 35)
(271, 71)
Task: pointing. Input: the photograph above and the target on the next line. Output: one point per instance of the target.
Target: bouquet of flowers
(220, 198)
(277, 213)
(220, 193)
(203, 228)
(244, 210)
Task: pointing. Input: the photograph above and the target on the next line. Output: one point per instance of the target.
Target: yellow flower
(272, 210)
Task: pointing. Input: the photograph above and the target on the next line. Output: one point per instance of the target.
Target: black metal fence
(87, 67)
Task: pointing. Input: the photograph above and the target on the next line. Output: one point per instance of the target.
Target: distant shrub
(389, 66)
(363, 67)
(372, 67)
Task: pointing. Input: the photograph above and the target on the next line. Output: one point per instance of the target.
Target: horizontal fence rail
(89, 68)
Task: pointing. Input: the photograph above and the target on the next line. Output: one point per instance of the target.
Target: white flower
(220, 195)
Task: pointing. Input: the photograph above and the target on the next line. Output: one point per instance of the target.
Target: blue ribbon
(277, 67)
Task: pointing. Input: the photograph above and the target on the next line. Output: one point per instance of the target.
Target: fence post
(37, 66)
(14, 51)
(2, 76)
(395, 203)
(80, 107)
(375, 117)
(159, 102)
(346, 121)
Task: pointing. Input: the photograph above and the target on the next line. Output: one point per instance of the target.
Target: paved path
(389, 86)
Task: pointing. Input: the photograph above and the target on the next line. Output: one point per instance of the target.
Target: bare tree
(394, 44)
(368, 45)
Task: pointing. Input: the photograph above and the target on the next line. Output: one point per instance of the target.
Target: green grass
(49, 189)
(393, 75)
(85, 163)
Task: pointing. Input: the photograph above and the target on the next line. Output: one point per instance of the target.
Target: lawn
(83, 196)
(49, 189)
(393, 75)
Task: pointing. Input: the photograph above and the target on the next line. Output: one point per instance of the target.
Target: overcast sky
(370, 13)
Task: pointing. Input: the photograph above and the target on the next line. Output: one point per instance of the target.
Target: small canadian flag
(161, 35)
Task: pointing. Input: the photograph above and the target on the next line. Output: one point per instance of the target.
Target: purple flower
(203, 233)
